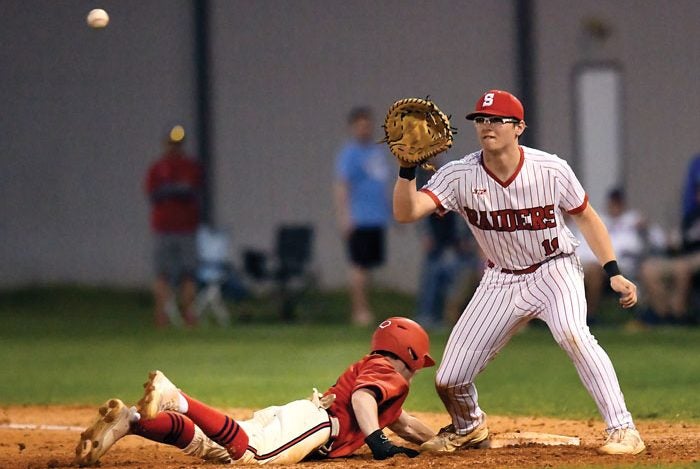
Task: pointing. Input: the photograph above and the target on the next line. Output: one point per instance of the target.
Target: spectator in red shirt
(173, 185)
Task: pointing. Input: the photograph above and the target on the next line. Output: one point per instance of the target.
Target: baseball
(97, 18)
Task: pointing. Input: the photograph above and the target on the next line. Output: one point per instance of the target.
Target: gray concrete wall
(83, 110)
(655, 45)
(286, 75)
(82, 114)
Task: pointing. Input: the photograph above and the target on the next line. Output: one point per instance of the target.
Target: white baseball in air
(97, 18)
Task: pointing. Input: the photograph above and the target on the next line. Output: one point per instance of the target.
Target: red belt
(528, 270)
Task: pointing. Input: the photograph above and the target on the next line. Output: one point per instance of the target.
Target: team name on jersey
(531, 219)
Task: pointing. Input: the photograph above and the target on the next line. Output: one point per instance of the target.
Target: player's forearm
(412, 429)
(409, 204)
(364, 406)
(596, 235)
(403, 203)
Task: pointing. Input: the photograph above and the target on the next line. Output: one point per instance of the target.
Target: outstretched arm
(598, 240)
(410, 204)
(411, 429)
(364, 405)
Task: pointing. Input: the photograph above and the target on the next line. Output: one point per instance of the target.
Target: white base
(502, 440)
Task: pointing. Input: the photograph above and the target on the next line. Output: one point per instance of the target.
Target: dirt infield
(666, 443)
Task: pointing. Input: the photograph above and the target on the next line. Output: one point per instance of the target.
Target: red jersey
(173, 185)
(374, 372)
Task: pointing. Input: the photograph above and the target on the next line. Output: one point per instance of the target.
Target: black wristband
(382, 448)
(376, 438)
(379, 444)
(407, 173)
(611, 269)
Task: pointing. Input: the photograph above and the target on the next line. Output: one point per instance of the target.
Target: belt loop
(335, 431)
(335, 426)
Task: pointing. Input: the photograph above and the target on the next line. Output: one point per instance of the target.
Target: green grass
(81, 346)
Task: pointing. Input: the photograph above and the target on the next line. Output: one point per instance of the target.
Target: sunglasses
(495, 120)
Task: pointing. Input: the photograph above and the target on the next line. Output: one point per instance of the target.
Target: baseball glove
(416, 130)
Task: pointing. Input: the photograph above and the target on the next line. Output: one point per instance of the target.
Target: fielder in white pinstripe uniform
(513, 198)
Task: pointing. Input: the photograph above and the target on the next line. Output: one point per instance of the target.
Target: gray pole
(525, 62)
(203, 111)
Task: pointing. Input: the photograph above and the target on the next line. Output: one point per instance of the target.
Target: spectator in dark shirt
(449, 253)
(450, 270)
(692, 184)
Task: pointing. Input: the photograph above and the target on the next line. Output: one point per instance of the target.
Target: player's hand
(383, 448)
(626, 289)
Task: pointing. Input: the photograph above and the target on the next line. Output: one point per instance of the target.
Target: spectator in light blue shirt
(363, 207)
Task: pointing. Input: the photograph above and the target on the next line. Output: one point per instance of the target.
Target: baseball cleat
(623, 441)
(160, 394)
(113, 423)
(447, 439)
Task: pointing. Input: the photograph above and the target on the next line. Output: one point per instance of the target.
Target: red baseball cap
(498, 103)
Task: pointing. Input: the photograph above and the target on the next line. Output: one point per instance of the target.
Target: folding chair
(288, 268)
(212, 272)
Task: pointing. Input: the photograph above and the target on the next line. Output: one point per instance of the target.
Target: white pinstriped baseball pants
(500, 306)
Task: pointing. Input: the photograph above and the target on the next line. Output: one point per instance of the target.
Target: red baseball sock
(167, 427)
(217, 426)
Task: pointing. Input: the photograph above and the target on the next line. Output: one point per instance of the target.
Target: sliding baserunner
(367, 398)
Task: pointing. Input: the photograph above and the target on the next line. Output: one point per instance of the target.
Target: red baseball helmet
(406, 339)
(498, 103)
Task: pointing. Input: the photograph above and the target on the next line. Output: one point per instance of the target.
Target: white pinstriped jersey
(518, 222)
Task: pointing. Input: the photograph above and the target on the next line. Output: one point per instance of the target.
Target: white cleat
(113, 424)
(160, 394)
(447, 439)
(623, 441)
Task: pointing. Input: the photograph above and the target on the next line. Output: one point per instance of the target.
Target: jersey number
(488, 100)
(550, 245)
